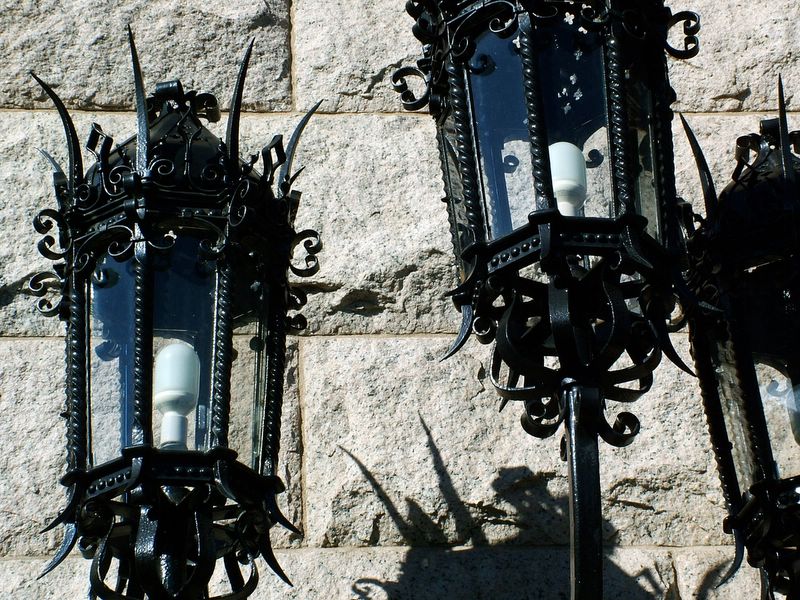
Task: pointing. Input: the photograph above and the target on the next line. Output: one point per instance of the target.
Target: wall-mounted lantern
(554, 129)
(166, 244)
(745, 267)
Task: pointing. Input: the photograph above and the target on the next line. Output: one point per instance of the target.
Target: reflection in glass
(571, 81)
(640, 107)
(459, 224)
(782, 413)
(501, 122)
(183, 316)
(110, 359)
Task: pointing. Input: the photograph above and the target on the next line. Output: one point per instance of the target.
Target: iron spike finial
(142, 124)
(285, 177)
(232, 134)
(783, 135)
(75, 166)
(706, 179)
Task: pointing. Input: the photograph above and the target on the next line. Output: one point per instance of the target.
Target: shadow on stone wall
(516, 570)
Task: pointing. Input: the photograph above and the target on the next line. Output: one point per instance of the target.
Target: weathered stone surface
(700, 571)
(19, 579)
(81, 49)
(499, 572)
(479, 478)
(663, 488)
(744, 46)
(32, 436)
(464, 481)
(346, 52)
(371, 188)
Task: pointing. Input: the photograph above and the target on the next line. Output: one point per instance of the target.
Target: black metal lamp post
(553, 124)
(745, 260)
(162, 247)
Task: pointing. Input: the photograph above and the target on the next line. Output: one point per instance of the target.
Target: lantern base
(166, 517)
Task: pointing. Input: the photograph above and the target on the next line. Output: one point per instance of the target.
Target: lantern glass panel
(459, 224)
(242, 384)
(782, 414)
(735, 414)
(572, 87)
(110, 358)
(183, 321)
(495, 76)
(640, 107)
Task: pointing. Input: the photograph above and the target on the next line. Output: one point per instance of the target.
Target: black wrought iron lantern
(554, 129)
(166, 244)
(745, 259)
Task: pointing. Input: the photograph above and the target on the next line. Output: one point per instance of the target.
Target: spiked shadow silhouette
(527, 566)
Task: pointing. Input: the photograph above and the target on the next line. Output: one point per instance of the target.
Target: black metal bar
(537, 130)
(465, 146)
(142, 348)
(622, 174)
(223, 355)
(586, 546)
(273, 394)
(77, 422)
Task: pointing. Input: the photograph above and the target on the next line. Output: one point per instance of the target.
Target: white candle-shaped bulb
(568, 170)
(176, 384)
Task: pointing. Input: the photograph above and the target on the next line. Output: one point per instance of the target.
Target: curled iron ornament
(691, 27)
(42, 286)
(410, 100)
(503, 23)
(312, 244)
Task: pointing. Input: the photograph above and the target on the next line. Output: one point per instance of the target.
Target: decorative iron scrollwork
(44, 286)
(691, 27)
(312, 244)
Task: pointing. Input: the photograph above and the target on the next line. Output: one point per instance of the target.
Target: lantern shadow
(532, 563)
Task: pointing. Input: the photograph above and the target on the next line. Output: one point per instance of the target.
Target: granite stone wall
(406, 481)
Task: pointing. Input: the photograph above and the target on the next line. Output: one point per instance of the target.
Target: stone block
(743, 48)
(403, 573)
(80, 48)
(33, 440)
(663, 489)
(497, 572)
(346, 52)
(477, 477)
(371, 188)
(700, 571)
(19, 579)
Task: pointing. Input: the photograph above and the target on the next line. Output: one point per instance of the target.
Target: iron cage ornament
(554, 130)
(165, 244)
(745, 269)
